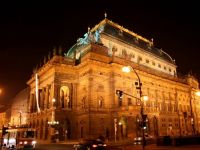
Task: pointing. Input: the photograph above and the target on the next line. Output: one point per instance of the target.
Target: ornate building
(84, 81)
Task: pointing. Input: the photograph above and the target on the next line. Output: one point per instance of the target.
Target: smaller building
(5, 117)
(19, 108)
(2, 119)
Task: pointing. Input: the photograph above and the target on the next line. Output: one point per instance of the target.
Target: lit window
(100, 101)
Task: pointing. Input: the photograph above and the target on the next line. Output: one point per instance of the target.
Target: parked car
(139, 140)
(89, 144)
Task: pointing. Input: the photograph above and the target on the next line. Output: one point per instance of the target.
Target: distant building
(5, 117)
(78, 91)
(19, 108)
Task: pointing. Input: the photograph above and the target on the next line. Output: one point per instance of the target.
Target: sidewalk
(147, 147)
(129, 145)
(155, 147)
(70, 142)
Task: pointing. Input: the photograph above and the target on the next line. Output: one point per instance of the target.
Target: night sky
(29, 30)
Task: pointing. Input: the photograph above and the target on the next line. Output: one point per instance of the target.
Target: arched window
(100, 103)
(64, 97)
(83, 102)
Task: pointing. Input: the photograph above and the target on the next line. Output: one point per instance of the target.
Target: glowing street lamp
(145, 98)
(53, 122)
(197, 93)
(128, 69)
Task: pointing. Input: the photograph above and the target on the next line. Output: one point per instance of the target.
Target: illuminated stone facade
(84, 84)
(19, 108)
(3, 119)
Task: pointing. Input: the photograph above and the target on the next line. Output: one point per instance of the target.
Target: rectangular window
(120, 102)
(147, 61)
(129, 101)
(188, 108)
(139, 59)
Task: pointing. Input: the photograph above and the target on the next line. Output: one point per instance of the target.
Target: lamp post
(121, 129)
(115, 127)
(128, 69)
(53, 122)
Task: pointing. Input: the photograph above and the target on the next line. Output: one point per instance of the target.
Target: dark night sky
(29, 30)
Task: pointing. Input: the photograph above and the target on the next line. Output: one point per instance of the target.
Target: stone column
(31, 103)
(46, 97)
(42, 98)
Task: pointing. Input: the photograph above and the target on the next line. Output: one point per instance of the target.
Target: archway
(122, 125)
(138, 128)
(41, 129)
(46, 130)
(155, 125)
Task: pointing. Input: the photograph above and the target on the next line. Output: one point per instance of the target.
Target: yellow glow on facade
(126, 69)
(197, 93)
(145, 98)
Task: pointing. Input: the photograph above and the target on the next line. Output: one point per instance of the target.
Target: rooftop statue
(90, 37)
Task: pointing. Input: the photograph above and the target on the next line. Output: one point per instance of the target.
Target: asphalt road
(54, 147)
(130, 147)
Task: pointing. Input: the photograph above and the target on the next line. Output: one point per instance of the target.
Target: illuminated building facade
(19, 108)
(84, 81)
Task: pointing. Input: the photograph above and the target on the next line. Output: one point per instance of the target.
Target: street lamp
(53, 122)
(128, 69)
(121, 129)
(197, 93)
(115, 127)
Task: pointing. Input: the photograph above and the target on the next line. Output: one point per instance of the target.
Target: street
(54, 147)
(111, 147)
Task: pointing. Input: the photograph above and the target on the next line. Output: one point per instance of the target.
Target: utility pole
(139, 87)
(138, 84)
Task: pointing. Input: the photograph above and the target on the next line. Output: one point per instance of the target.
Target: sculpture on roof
(90, 37)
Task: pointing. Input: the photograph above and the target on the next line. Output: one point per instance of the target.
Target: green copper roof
(112, 29)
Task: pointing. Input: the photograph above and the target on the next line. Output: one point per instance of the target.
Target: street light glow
(126, 69)
(145, 98)
(198, 93)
